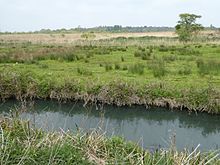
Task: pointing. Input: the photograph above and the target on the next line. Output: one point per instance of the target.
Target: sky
(31, 15)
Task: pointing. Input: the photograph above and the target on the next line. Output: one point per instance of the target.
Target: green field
(152, 71)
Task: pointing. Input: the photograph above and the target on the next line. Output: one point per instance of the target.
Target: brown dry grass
(73, 37)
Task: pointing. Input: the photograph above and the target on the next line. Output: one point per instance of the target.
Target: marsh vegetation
(148, 71)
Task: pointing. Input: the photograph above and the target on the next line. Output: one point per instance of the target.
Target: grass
(21, 143)
(114, 71)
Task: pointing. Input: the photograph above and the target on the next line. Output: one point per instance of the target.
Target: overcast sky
(30, 15)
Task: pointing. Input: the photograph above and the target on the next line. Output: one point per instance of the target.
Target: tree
(187, 26)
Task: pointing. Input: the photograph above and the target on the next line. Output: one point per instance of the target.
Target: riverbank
(21, 143)
(25, 86)
(176, 76)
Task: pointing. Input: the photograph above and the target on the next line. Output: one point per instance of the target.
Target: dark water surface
(150, 128)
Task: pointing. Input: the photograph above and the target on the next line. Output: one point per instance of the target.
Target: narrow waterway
(151, 128)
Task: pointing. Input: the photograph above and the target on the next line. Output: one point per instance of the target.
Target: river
(150, 128)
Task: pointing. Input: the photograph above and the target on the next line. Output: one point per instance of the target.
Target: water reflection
(148, 127)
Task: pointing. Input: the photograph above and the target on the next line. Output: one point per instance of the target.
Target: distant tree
(187, 26)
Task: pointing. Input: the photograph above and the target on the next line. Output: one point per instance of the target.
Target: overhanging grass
(21, 144)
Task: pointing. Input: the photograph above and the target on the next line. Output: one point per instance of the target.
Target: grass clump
(122, 59)
(145, 55)
(158, 68)
(108, 67)
(117, 67)
(170, 58)
(22, 144)
(136, 69)
(83, 71)
(208, 67)
(186, 70)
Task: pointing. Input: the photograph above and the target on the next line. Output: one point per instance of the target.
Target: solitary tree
(187, 26)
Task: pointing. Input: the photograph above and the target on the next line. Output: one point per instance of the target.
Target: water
(149, 128)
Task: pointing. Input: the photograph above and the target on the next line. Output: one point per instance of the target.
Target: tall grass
(158, 67)
(83, 71)
(208, 67)
(22, 144)
(136, 69)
